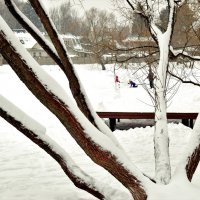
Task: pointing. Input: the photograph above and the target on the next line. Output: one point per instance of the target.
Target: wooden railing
(187, 118)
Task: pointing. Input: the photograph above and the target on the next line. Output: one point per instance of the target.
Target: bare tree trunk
(161, 140)
(102, 64)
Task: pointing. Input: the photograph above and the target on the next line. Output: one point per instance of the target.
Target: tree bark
(193, 162)
(78, 181)
(100, 156)
(191, 157)
(64, 63)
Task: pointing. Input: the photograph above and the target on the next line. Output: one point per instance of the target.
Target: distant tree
(66, 19)
(101, 31)
(183, 27)
(30, 13)
(25, 8)
(138, 26)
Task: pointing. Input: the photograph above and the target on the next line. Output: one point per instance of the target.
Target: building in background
(77, 54)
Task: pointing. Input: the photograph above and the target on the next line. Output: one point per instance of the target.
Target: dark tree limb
(192, 163)
(62, 60)
(77, 180)
(102, 157)
(183, 55)
(183, 81)
(68, 68)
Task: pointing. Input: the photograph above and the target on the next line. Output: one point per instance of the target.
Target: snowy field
(28, 173)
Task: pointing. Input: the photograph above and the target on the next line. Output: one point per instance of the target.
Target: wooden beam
(145, 115)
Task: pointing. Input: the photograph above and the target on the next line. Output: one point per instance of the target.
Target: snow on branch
(37, 134)
(100, 148)
(181, 53)
(33, 30)
(79, 95)
(21, 116)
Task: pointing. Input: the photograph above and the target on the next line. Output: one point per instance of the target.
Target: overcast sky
(102, 4)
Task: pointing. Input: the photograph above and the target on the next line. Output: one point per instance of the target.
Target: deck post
(191, 123)
(185, 122)
(112, 123)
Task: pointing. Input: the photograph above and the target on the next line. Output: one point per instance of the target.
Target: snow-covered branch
(34, 31)
(37, 134)
(181, 53)
(100, 148)
(63, 61)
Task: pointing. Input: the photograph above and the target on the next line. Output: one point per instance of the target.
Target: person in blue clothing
(132, 84)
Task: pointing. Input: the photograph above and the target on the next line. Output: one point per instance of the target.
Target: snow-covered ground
(28, 173)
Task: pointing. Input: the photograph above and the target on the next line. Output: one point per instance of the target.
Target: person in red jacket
(117, 81)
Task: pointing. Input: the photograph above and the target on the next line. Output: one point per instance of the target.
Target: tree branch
(77, 176)
(183, 81)
(81, 130)
(182, 54)
(62, 60)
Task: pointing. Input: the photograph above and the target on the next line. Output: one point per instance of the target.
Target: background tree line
(25, 8)
(101, 33)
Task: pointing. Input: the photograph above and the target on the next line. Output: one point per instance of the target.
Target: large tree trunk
(86, 135)
(62, 61)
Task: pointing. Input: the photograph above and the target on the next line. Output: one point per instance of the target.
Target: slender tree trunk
(161, 140)
(100, 61)
(102, 65)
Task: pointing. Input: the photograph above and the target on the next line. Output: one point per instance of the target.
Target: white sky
(102, 4)
(107, 5)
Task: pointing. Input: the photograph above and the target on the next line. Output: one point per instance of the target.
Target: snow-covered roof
(74, 39)
(26, 39)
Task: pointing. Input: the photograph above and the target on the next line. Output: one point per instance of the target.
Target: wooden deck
(187, 118)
